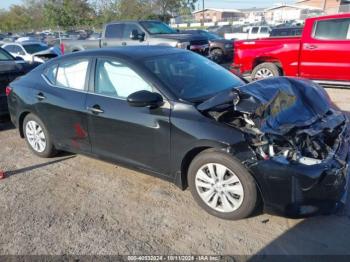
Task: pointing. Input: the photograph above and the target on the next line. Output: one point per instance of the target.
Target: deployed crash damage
(292, 128)
(284, 119)
(46, 55)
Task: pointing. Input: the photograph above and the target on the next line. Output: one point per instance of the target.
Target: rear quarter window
(51, 73)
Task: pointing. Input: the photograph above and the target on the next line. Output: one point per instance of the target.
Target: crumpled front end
(300, 141)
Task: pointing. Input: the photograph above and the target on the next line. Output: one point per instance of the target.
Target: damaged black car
(277, 143)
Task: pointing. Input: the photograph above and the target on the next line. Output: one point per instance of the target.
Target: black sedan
(181, 117)
(220, 49)
(10, 69)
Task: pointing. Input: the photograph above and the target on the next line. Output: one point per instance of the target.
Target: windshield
(34, 48)
(190, 76)
(155, 27)
(4, 56)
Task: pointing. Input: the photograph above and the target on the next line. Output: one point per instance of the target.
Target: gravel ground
(77, 205)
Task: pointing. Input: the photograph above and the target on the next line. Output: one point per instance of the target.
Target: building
(254, 15)
(216, 15)
(282, 13)
(329, 6)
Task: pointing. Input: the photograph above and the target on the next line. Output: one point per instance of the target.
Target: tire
(265, 70)
(39, 141)
(232, 200)
(217, 55)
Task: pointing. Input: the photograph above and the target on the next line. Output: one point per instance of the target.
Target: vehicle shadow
(317, 236)
(30, 168)
(5, 123)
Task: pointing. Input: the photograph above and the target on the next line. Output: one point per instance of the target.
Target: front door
(138, 136)
(112, 35)
(127, 30)
(325, 52)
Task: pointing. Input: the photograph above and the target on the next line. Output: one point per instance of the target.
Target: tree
(68, 13)
(175, 7)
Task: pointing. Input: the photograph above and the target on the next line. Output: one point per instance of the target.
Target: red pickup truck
(322, 53)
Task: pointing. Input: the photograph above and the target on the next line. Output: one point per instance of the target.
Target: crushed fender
(283, 119)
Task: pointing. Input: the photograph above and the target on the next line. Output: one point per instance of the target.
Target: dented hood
(276, 105)
(48, 51)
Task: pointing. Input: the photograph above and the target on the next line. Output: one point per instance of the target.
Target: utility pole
(203, 13)
(324, 5)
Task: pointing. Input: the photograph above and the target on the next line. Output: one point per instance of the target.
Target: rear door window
(51, 73)
(72, 74)
(114, 31)
(335, 29)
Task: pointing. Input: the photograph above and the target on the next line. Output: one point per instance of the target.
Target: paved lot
(77, 205)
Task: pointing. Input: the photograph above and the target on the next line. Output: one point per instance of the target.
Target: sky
(208, 3)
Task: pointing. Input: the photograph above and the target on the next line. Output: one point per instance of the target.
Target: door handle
(124, 43)
(95, 109)
(40, 96)
(310, 46)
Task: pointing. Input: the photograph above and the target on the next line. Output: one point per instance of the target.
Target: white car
(32, 51)
(253, 32)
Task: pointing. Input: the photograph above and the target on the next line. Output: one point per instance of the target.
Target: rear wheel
(222, 186)
(265, 70)
(37, 136)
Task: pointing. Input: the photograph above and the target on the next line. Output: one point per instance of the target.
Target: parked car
(286, 31)
(10, 69)
(179, 116)
(32, 51)
(252, 32)
(148, 32)
(322, 53)
(220, 49)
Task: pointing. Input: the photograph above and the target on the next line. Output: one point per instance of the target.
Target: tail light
(62, 48)
(8, 90)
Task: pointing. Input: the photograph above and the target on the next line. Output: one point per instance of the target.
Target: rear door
(138, 136)
(325, 51)
(61, 103)
(112, 35)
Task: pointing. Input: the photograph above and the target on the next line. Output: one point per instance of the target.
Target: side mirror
(145, 98)
(135, 35)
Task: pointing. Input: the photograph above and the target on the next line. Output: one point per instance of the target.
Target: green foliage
(68, 13)
(45, 14)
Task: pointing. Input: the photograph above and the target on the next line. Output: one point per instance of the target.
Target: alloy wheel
(219, 187)
(35, 136)
(263, 73)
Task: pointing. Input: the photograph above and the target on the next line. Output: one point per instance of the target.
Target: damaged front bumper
(298, 190)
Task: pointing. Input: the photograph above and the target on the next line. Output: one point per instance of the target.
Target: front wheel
(222, 186)
(37, 136)
(217, 55)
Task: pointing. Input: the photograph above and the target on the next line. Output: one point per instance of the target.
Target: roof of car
(129, 52)
(24, 43)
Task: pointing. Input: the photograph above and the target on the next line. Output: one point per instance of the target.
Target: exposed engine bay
(284, 119)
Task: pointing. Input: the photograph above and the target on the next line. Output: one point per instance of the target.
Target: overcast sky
(208, 3)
